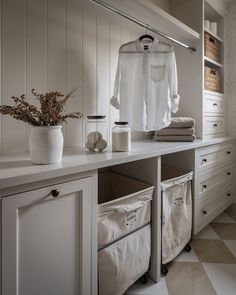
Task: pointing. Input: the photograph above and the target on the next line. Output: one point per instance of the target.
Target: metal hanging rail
(138, 22)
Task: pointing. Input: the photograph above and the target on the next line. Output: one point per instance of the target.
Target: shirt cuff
(115, 102)
(175, 103)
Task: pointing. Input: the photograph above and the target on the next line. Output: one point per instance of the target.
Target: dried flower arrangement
(50, 113)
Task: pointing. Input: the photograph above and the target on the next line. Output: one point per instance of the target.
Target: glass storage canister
(121, 137)
(96, 134)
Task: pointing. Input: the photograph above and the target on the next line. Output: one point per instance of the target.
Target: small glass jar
(96, 134)
(121, 137)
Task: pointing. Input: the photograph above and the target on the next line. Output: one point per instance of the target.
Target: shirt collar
(139, 46)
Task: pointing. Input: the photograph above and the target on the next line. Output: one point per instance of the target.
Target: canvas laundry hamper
(124, 235)
(176, 211)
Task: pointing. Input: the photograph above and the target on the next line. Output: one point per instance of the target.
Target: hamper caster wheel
(188, 247)
(144, 279)
(164, 270)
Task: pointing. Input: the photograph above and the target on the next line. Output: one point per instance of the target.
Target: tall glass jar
(96, 134)
(121, 137)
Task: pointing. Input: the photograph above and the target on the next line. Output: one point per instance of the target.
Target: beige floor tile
(231, 211)
(222, 277)
(226, 231)
(213, 251)
(207, 233)
(185, 278)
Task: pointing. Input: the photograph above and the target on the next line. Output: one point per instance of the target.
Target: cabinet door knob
(55, 193)
(228, 152)
(215, 125)
(214, 104)
(229, 173)
(228, 195)
(204, 212)
(204, 186)
(204, 161)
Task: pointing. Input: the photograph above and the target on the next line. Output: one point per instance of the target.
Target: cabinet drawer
(214, 105)
(212, 180)
(209, 209)
(216, 155)
(214, 125)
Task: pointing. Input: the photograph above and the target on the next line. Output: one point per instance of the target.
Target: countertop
(16, 169)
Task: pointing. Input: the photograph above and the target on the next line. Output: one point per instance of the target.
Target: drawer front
(214, 125)
(214, 156)
(213, 180)
(214, 105)
(209, 209)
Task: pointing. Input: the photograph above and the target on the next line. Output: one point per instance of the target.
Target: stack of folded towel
(180, 129)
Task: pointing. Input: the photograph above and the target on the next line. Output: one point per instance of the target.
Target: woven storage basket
(212, 47)
(212, 79)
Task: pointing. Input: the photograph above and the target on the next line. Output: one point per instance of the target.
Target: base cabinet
(46, 241)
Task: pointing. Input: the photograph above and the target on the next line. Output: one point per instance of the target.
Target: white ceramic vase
(46, 144)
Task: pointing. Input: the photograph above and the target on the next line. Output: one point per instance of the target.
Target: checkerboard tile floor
(209, 269)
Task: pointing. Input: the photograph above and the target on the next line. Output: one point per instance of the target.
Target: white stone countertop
(16, 169)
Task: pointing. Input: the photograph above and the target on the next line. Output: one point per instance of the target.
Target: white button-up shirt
(146, 86)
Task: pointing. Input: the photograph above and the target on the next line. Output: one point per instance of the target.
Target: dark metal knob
(204, 186)
(229, 173)
(228, 152)
(55, 193)
(215, 125)
(214, 104)
(204, 212)
(204, 161)
(228, 195)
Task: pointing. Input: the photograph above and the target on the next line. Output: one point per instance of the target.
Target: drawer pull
(228, 195)
(204, 161)
(228, 173)
(55, 193)
(228, 152)
(204, 186)
(214, 104)
(204, 212)
(215, 125)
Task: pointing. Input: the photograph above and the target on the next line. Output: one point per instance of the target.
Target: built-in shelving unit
(213, 102)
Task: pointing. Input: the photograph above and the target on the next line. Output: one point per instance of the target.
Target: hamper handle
(212, 40)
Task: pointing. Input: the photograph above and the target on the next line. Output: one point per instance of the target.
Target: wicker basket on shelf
(212, 47)
(212, 79)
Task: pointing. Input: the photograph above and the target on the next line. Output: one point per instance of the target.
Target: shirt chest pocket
(157, 73)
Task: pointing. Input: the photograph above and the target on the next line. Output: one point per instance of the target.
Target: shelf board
(151, 14)
(213, 35)
(221, 94)
(213, 62)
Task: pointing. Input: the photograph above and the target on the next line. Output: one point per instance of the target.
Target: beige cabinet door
(46, 240)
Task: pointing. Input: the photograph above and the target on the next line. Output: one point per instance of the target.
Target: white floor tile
(231, 244)
(222, 277)
(187, 257)
(150, 288)
(223, 218)
(207, 233)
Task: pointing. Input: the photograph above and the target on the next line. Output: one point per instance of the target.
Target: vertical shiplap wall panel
(56, 40)
(13, 70)
(74, 77)
(36, 48)
(115, 43)
(89, 65)
(56, 45)
(103, 99)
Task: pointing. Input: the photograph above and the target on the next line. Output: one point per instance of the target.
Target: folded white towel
(182, 122)
(175, 131)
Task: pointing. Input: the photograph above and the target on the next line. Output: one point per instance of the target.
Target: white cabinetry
(47, 240)
(214, 176)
